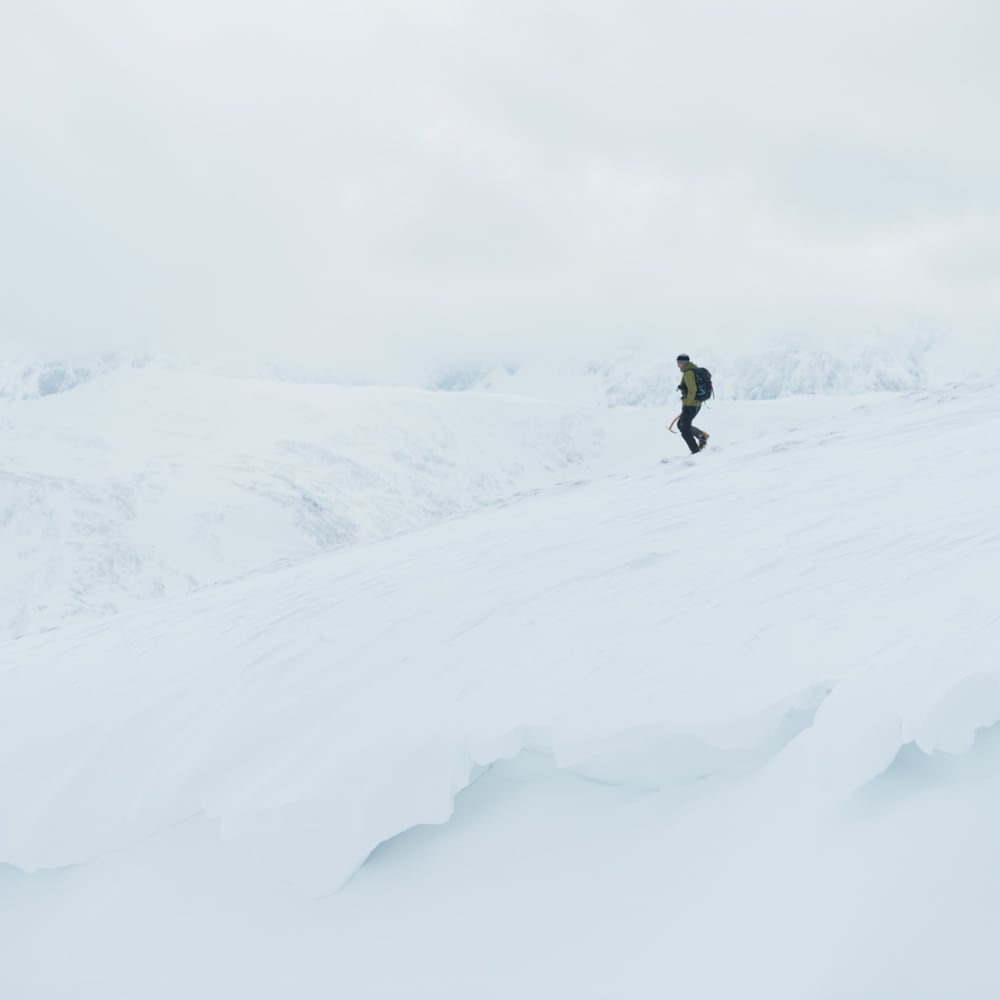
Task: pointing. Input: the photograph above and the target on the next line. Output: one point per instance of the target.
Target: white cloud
(370, 181)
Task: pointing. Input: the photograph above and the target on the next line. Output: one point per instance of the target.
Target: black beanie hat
(683, 357)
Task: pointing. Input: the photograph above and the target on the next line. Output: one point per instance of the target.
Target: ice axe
(670, 426)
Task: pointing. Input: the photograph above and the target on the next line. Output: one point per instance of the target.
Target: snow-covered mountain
(146, 482)
(637, 376)
(649, 378)
(725, 726)
(127, 480)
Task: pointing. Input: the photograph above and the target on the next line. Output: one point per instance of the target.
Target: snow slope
(129, 484)
(148, 482)
(721, 727)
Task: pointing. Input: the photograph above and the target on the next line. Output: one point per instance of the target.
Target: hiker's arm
(691, 396)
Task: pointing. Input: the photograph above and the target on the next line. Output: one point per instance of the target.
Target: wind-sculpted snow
(646, 630)
(684, 727)
(348, 705)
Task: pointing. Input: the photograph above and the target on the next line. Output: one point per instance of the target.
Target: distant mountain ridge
(624, 378)
(645, 379)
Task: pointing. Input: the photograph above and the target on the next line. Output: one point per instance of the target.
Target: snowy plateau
(326, 691)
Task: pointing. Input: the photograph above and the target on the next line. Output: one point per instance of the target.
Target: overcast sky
(348, 179)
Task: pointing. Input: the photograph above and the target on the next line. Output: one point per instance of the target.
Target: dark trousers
(689, 432)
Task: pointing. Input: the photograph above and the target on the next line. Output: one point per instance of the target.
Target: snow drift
(754, 661)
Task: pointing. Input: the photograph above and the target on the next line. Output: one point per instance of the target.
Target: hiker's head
(682, 360)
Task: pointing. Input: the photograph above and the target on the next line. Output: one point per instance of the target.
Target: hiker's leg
(684, 426)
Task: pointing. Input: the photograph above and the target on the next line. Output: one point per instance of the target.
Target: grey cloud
(373, 180)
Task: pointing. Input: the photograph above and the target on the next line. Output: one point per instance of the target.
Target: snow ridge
(320, 710)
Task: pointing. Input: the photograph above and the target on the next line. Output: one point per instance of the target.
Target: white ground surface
(721, 727)
(150, 482)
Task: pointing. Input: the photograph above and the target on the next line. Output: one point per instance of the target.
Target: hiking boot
(702, 441)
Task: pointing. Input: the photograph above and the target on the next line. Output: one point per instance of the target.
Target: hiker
(694, 438)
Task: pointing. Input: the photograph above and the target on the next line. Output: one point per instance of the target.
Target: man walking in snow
(690, 405)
